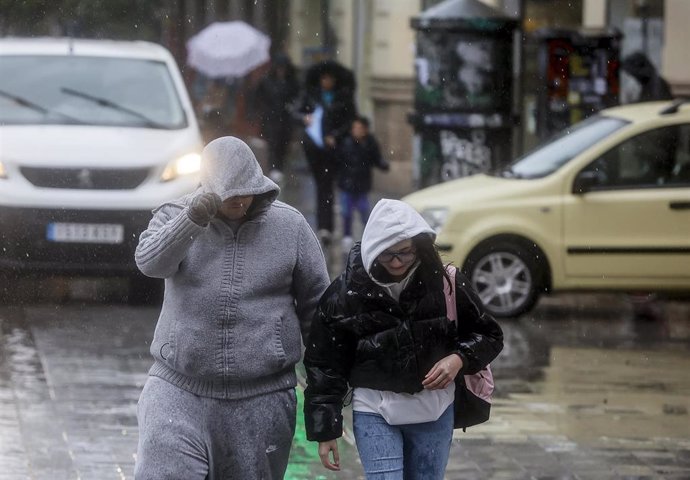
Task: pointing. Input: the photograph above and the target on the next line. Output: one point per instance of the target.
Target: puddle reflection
(594, 374)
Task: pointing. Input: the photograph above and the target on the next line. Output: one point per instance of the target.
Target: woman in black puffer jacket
(382, 329)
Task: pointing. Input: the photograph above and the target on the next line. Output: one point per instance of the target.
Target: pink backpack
(472, 403)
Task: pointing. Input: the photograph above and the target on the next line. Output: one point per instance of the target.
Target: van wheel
(145, 291)
(507, 275)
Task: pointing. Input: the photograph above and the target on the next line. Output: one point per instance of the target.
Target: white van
(94, 134)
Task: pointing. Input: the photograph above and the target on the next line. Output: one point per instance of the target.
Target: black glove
(203, 208)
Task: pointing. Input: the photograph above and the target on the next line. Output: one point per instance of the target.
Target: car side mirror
(585, 181)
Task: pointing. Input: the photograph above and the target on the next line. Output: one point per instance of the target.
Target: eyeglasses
(403, 257)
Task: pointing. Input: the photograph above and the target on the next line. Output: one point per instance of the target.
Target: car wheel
(506, 275)
(145, 291)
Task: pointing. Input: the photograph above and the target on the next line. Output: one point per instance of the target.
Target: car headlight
(435, 217)
(3, 172)
(185, 165)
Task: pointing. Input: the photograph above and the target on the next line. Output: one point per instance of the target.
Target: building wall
(676, 67)
(305, 29)
(341, 19)
(392, 89)
(594, 14)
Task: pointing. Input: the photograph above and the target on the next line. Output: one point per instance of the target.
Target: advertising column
(463, 115)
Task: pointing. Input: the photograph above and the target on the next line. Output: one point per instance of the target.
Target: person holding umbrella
(222, 67)
(327, 110)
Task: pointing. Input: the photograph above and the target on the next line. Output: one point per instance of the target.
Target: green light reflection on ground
(303, 456)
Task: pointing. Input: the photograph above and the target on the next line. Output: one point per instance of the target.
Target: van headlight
(185, 165)
(3, 172)
(436, 217)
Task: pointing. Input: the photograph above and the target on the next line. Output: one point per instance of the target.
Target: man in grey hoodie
(243, 274)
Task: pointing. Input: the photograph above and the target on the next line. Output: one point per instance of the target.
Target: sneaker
(276, 175)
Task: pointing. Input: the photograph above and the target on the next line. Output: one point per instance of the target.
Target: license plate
(85, 233)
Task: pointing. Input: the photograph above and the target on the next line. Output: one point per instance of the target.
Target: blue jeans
(410, 452)
(351, 203)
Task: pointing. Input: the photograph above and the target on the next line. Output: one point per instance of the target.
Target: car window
(88, 90)
(656, 158)
(565, 146)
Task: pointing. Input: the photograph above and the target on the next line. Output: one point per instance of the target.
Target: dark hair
(427, 255)
(281, 60)
(362, 119)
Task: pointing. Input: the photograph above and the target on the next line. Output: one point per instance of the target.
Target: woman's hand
(325, 449)
(443, 373)
(307, 119)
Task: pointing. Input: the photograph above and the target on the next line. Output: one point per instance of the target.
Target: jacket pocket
(278, 349)
(286, 341)
(192, 350)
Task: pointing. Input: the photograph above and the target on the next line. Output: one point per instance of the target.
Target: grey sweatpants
(187, 437)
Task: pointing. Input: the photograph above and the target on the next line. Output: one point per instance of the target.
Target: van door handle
(679, 205)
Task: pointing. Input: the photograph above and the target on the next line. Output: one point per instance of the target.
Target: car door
(631, 226)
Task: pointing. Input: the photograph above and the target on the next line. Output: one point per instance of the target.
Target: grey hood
(229, 169)
(390, 222)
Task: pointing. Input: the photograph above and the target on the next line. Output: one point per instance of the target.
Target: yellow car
(605, 205)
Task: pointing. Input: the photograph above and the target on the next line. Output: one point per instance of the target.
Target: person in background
(358, 154)
(382, 329)
(215, 121)
(326, 110)
(274, 97)
(243, 274)
(653, 87)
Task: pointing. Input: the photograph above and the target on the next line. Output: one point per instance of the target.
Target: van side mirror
(585, 181)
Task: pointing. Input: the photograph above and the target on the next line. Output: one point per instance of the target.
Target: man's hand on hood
(203, 208)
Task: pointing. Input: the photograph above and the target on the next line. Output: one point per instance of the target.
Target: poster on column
(461, 71)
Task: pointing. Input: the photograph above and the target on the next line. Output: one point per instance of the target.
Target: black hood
(639, 66)
(344, 78)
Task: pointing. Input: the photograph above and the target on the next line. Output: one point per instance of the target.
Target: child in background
(357, 155)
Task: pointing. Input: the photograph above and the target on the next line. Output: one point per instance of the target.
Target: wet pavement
(70, 377)
(587, 393)
(582, 393)
(584, 390)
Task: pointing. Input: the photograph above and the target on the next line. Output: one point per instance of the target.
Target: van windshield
(559, 150)
(88, 91)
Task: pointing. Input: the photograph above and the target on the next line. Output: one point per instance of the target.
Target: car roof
(646, 111)
(83, 47)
